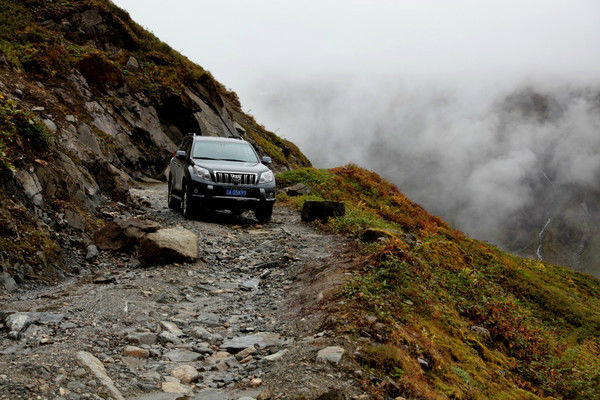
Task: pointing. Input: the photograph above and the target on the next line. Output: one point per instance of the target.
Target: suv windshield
(229, 151)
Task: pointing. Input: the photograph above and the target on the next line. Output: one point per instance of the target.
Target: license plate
(235, 192)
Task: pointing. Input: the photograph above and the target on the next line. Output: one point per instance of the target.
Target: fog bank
(474, 155)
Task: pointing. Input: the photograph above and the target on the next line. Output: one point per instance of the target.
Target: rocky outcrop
(108, 103)
(167, 246)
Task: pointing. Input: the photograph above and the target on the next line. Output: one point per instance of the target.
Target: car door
(178, 167)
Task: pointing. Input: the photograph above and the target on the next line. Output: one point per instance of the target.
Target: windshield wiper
(205, 158)
(232, 159)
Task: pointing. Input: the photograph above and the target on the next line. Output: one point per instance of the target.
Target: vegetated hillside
(437, 315)
(89, 102)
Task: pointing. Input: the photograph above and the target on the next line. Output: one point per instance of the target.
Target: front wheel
(172, 202)
(187, 206)
(264, 213)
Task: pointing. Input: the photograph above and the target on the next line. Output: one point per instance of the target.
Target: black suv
(221, 174)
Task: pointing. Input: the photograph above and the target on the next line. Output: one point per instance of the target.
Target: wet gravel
(248, 317)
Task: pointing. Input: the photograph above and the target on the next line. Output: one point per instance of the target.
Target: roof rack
(193, 134)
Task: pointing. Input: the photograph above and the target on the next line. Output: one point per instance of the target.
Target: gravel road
(245, 321)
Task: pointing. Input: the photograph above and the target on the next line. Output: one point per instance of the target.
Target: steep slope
(89, 102)
(436, 315)
(558, 224)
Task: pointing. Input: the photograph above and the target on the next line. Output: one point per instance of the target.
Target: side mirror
(267, 160)
(180, 154)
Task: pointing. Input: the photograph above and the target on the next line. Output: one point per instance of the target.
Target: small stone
(71, 118)
(256, 382)
(371, 319)
(245, 353)
(174, 387)
(480, 330)
(218, 357)
(136, 352)
(265, 395)
(132, 63)
(261, 339)
(182, 355)
(147, 338)
(171, 327)
(332, 354)
(276, 356)
(17, 322)
(297, 190)
(92, 252)
(186, 374)
(50, 125)
(168, 337)
(423, 363)
(250, 285)
(201, 333)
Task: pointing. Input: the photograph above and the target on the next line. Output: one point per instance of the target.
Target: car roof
(218, 139)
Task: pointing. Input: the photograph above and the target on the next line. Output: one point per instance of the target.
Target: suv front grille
(235, 178)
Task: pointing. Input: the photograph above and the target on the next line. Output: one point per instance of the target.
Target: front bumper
(213, 195)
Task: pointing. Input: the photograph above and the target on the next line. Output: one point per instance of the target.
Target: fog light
(196, 191)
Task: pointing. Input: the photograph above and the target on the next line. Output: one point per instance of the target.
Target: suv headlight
(266, 177)
(201, 172)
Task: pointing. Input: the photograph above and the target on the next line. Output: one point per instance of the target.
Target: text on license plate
(235, 192)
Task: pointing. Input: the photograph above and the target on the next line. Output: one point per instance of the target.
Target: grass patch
(543, 320)
(21, 134)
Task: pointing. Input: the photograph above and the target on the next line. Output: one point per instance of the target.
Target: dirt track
(260, 287)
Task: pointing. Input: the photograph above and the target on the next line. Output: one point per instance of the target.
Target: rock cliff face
(90, 103)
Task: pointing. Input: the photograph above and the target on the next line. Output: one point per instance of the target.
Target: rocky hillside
(89, 103)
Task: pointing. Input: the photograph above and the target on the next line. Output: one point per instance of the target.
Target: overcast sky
(246, 42)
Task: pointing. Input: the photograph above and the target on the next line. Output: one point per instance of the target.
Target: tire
(172, 202)
(264, 213)
(187, 204)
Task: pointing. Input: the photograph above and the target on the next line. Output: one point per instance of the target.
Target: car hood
(233, 166)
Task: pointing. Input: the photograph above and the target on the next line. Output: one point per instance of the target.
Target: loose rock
(92, 252)
(186, 374)
(90, 362)
(261, 339)
(170, 245)
(322, 210)
(135, 352)
(181, 355)
(332, 354)
(297, 190)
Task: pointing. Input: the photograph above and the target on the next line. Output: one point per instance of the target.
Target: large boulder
(122, 233)
(322, 210)
(170, 245)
